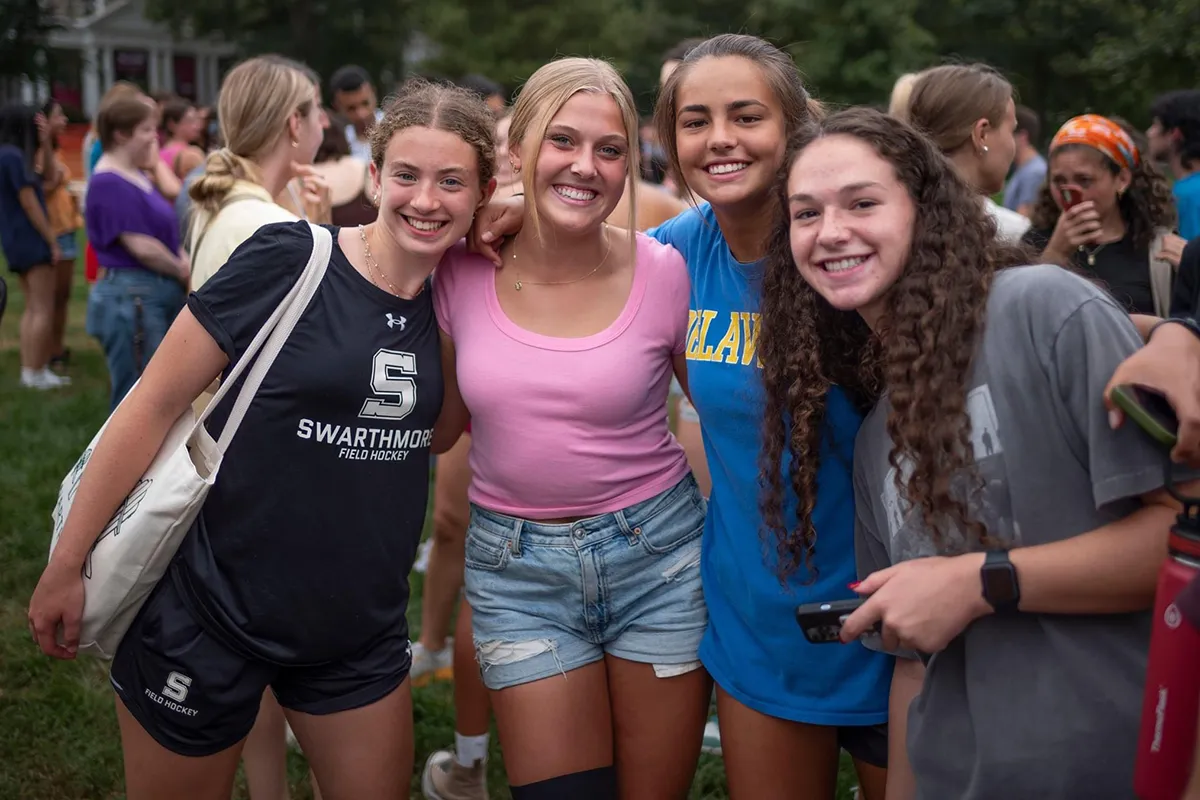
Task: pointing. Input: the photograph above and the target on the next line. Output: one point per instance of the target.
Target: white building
(103, 41)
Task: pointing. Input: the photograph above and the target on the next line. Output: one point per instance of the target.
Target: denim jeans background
(129, 311)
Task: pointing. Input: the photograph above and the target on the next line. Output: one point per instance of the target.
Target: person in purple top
(134, 232)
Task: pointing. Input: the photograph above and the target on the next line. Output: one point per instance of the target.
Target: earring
(516, 169)
(985, 149)
(295, 143)
(375, 200)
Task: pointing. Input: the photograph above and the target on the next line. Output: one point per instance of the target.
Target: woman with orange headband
(1108, 212)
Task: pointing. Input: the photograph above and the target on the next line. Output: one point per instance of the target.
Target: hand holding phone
(1150, 410)
(822, 622)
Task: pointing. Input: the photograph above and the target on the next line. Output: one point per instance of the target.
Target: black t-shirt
(1122, 268)
(302, 551)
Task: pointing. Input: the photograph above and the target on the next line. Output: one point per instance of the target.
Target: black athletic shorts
(865, 743)
(196, 696)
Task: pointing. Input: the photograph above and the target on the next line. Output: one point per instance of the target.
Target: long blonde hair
(258, 97)
(547, 91)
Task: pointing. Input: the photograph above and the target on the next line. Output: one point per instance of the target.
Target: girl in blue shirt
(786, 707)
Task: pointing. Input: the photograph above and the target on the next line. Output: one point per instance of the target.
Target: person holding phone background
(1108, 212)
(997, 573)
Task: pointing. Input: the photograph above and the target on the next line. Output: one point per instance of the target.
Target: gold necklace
(373, 268)
(1091, 254)
(519, 283)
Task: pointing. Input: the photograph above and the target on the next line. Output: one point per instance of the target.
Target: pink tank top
(170, 153)
(567, 427)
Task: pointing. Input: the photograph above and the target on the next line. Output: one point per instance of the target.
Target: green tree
(508, 41)
(325, 36)
(24, 26)
(849, 52)
(1069, 57)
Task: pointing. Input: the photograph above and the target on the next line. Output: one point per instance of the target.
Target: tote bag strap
(1162, 275)
(270, 338)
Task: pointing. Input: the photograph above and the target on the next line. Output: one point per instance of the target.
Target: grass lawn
(58, 732)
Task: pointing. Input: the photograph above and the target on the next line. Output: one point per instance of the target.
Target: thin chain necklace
(373, 269)
(1091, 254)
(519, 283)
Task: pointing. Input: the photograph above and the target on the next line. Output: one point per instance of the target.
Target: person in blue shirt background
(27, 240)
(1175, 140)
(786, 707)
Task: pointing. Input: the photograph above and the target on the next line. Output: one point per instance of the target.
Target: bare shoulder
(656, 205)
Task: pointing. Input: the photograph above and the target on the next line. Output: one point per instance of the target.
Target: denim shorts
(68, 246)
(129, 311)
(551, 598)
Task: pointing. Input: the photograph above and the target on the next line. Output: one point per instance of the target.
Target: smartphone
(822, 622)
(1150, 410)
(1071, 197)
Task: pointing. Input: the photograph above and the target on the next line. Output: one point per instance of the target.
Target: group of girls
(39, 218)
(888, 393)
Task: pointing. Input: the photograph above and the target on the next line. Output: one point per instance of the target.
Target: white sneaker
(428, 667)
(445, 779)
(44, 379)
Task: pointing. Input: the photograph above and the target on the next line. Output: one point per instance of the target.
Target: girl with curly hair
(1005, 532)
(786, 707)
(1108, 212)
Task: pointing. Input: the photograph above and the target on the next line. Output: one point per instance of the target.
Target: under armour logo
(394, 321)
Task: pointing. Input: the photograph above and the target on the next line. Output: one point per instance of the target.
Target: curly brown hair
(1146, 206)
(921, 355)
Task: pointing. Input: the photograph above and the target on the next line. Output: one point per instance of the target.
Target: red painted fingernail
(854, 585)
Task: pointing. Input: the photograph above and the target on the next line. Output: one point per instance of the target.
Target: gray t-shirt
(1029, 705)
(1025, 183)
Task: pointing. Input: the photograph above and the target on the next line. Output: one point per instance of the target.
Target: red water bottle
(1167, 742)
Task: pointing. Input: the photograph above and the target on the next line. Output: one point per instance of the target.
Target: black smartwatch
(1000, 586)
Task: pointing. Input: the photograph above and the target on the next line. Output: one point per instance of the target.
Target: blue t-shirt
(23, 246)
(93, 156)
(1187, 201)
(753, 647)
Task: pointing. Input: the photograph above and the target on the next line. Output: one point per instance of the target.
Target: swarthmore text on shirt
(365, 444)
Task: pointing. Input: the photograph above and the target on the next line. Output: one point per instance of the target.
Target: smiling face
(851, 223)
(729, 131)
(582, 163)
(428, 189)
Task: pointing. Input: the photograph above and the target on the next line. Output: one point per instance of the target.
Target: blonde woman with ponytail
(271, 123)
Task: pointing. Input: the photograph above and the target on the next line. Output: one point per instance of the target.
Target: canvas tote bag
(134, 549)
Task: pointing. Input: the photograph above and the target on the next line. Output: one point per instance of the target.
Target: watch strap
(1188, 322)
